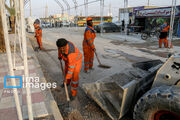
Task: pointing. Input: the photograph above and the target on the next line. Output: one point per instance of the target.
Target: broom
(101, 65)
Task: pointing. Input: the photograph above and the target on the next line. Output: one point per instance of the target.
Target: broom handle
(65, 85)
(97, 57)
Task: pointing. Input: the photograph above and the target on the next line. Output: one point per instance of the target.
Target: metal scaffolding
(20, 34)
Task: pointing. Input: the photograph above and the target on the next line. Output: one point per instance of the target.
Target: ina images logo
(32, 82)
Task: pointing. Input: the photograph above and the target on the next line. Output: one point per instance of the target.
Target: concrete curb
(50, 103)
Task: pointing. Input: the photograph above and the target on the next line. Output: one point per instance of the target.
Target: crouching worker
(72, 58)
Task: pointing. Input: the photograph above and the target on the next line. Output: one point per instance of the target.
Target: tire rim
(165, 115)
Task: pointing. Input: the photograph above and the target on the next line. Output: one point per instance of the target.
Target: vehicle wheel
(144, 36)
(162, 103)
(104, 30)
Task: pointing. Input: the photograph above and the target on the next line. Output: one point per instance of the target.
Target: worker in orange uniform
(164, 28)
(38, 35)
(88, 45)
(72, 58)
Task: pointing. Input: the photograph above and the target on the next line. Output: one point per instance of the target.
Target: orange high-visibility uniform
(38, 35)
(73, 59)
(163, 35)
(88, 46)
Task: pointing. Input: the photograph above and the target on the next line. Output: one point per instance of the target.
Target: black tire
(144, 36)
(104, 31)
(162, 103)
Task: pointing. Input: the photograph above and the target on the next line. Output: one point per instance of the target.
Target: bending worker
(88, 45)
(38, 35)
(72, 58)
(163, 35)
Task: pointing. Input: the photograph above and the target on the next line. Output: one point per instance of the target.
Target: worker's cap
(61, 42)
(89, 19)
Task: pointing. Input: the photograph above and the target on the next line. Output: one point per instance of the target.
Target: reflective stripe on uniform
(91, 59)
(89, 40)
(86, 62)
(91, 44)
(78, 56)
(73, 88)
(86, 66)
(85, 43)
(71, 66)
(75, 82)
(70, 72)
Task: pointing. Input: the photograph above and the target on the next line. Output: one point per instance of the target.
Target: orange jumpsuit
(88, 46)
(163, 35)
(38, 35)
(73, 60)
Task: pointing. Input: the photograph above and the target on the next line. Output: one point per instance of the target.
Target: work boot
(72, 98)
(91, 68)
(62, 85)
(86, 71)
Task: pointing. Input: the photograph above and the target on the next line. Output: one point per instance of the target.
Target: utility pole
(148, 2)
(102, 12)
(126, 15)
(86, 8)
(68, 10)
(30, 8)
(76, 18)
(173, 14)
(46, 11)
(110, 10)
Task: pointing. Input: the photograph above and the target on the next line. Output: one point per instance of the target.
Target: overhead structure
(75, 5)
(26, 3)
(68, 6)
(60, 5)
(20, 33)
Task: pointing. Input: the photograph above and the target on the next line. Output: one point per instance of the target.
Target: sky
(38, 6)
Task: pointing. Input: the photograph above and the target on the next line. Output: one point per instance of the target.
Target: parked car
(107, 27)
(46, 25)
(118, 23)
(65, 23)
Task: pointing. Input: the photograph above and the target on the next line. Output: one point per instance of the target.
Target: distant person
(73, 59)
(38, 35)
(88, 45)
(164, 28)
(123, 25)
